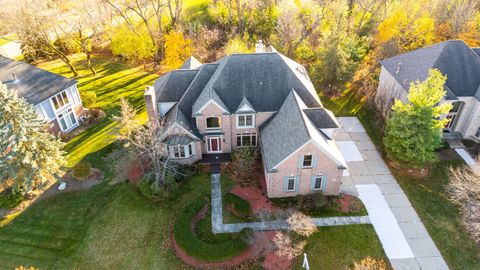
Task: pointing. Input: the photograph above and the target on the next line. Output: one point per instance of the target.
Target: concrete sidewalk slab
(351, 124)
(377, 167)
(394, 242)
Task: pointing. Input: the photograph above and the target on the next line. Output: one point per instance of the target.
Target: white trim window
(317, 185)
(307, 161)
(67, 119)
(245, 120)
(181, 151)
(61, 100)
(212, 122)
(247, 140)
(290, 184)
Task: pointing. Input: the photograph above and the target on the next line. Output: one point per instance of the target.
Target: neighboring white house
(456, 60)
(54, 97)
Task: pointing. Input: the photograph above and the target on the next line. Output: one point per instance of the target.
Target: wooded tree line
(338, 41)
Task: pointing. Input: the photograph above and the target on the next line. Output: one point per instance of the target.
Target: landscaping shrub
(88, 98)
(238, 204)
(10, 199)
(195, 247)
(151, 192)
(82, 170)
(244, 162)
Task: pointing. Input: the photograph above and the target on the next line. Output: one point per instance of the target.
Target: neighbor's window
(478, 133)
(245, 121)
(67, 119)
(291, 183)
(213, 122)
(318, 182)
(181, 151)
(247, 140)
(307, 160)
(60, 100)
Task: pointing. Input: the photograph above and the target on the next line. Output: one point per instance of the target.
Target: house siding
(469, 117)
(389, 89)
(291, 167)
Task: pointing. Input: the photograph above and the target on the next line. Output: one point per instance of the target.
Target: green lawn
(340, 247)
(427, 195)
(113, 81)
(4, 41)
(107, 227)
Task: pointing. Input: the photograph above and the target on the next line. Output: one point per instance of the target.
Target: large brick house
(54, 97)
(262, 100)
(453, 58)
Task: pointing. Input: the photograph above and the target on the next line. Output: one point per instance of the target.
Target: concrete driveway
(405, 240)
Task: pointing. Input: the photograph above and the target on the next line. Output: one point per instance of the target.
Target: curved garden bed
(195, 243)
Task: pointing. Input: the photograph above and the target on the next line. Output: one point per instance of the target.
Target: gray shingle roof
(265, 79)
(284, 133)
(33, 84)
(171, 86)
(321, 118)
(191, 63)
(453, 58)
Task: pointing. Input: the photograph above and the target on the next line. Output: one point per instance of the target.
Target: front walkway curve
(405, 240)
(219, 227)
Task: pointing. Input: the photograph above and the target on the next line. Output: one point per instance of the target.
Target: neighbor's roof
(453, 58)
(191, 63)
(288, 130)
(33, 84)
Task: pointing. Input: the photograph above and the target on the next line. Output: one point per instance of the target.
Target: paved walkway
(219, 227)
(466, 157)
(406, 242)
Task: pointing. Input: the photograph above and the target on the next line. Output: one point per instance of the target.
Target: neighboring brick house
(263, 100)
(456, 60)
(54, 97)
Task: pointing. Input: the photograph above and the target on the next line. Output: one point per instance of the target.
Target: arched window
(213, 122)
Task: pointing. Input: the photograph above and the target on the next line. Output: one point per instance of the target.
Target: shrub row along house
(453, 58)
(263, 100)
(54, 97)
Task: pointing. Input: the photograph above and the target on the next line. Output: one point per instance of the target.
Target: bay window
(181, 151)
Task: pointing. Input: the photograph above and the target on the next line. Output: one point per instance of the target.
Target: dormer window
(245, 121)
(213, 122)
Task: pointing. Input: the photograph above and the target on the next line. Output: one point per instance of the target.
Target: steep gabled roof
(33, 84)
(453, 58)
(245, 106)
(171, 86)
(191, 63)
(288, 130)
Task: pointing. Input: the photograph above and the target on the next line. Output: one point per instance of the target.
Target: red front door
(215, 145)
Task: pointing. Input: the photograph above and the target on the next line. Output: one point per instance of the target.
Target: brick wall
(290, 167)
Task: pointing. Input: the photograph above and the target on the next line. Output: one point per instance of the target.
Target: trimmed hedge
(195, 247)
(238, 204)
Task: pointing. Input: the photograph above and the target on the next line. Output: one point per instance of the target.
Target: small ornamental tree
(291, 243)
(28, 153)
(414, 130)
(127, 121)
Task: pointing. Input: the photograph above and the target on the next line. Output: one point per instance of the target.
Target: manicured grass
(238, 204)
(340, 247)
(113, 81)
(427, 195)
(210, 248)
(4, 41)
(106, 227)
(441, 217)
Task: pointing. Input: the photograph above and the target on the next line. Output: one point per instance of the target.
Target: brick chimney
(151, 104)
